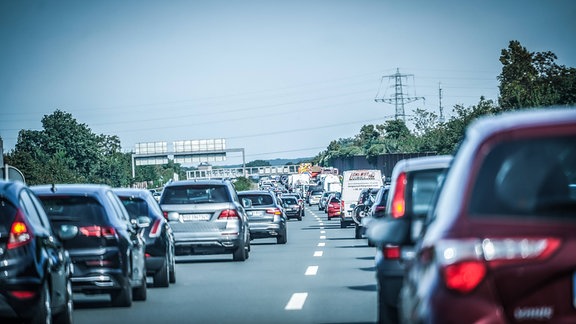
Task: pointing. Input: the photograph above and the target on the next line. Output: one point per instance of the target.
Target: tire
(240, 253)
(141, 293)
(343, 224)
(173, 270)
(44, 313)
(122, 297)
(282, 239)
(357, 231)
(65, 316)
(162, 276)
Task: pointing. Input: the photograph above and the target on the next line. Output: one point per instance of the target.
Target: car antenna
(53, 188)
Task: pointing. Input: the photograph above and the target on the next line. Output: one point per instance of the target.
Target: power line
(399, 99)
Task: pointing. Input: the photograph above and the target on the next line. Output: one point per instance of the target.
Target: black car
(35, 269)
(265, 215)
(292, 208)
(362, 209)
(160, 260)
(108, 252)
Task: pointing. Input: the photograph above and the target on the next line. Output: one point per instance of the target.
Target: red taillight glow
(155, 229)
(23, 294)
(165, 214)
(391, 252)
(19, 234)
(229, 214)
(464, 276)
(464, 261)
(98, 231)
(273, 211)
(399, 198)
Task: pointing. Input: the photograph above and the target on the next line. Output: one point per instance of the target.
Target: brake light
(399, 198)
(165, 214)
(229, 214)
(391, 252)
(155, 229)
(273, 211)
(23, 294)
(464, 262)
(19, 233)
(98, 231)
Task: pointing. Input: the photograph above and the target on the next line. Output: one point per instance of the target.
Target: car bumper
(207, 246)
(265, 230)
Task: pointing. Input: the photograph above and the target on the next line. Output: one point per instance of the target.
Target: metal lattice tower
(399, 98)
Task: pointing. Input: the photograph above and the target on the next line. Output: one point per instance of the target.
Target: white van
(353, 183)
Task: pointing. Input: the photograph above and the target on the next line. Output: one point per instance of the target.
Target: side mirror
(352, 206)
(247, 203)
(141, 222)
(66, 232)
(388, 231)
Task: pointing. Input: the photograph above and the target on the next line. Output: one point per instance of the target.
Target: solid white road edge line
(297, 301)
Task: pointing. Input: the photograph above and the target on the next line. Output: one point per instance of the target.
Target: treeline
(528, 80)
(66, 151)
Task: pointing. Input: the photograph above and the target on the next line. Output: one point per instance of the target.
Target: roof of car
(255, 192)
(424, 163)
(204, 181)
(70, 188)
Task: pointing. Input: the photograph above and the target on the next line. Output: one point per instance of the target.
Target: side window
(118, 207)
(31, 210)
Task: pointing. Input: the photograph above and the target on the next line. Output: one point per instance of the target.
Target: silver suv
(207, 217)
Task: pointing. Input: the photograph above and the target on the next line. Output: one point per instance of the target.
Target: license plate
(255, 213)
(195, 217)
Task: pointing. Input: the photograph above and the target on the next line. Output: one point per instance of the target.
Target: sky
(278, 78)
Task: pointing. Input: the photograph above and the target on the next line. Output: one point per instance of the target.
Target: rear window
(290, 200)
(527, 178)
(198, 194)
(7, 215)
(317, 193)
(135, 206)
(259, 200)
(75, 210)
(424, 184)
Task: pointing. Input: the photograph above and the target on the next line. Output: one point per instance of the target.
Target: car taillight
(399, 198)
(165, 214)
(98, 231)
(465, 261)
(155, 230)
(22, 294)
(274, 211)
(391, 252)
(229, 214)
(19, 233)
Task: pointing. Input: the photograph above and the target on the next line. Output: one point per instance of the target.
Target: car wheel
(173, 269)
(240, 253)
(123, 296)
(342, 224)
(357, 231)
(282, 239)
(162, 276)
(44, 314)
(299, 218)
(140, 293)
(65, 317)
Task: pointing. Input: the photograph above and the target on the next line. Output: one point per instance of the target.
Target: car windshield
(258, 200)
(198, 194)
(528, 178)
(75, 210)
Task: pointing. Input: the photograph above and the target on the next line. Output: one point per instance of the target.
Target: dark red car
(499, 244)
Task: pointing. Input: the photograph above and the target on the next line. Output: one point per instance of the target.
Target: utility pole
(399, 99)
(441, 118)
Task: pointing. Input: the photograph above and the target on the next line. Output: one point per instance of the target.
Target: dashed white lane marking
(296, 302)
(322, 232)
(323, 237)
(318, 253)
(321, 244)
(311, 271)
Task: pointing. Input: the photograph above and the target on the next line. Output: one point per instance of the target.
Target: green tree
(242, 183)
(257, 163)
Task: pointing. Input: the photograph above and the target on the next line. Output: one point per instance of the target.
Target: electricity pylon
(398, 99)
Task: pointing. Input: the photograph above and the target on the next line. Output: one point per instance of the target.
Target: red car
(499, 244)
(333, 208)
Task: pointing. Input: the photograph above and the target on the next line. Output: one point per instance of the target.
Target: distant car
(362, 209)
(108, 252)
(414, 182)
(292, 208)
(35, 268)
(265, 215)
(160, 257)
(314, 197)
(323, 200)
(334, 207)
(299, 198)
(206, 217)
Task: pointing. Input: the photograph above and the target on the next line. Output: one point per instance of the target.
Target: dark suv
(265, 215)
(207, 217)
(160, 257)
(414, 182)
(35, 269)
(108, 252)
